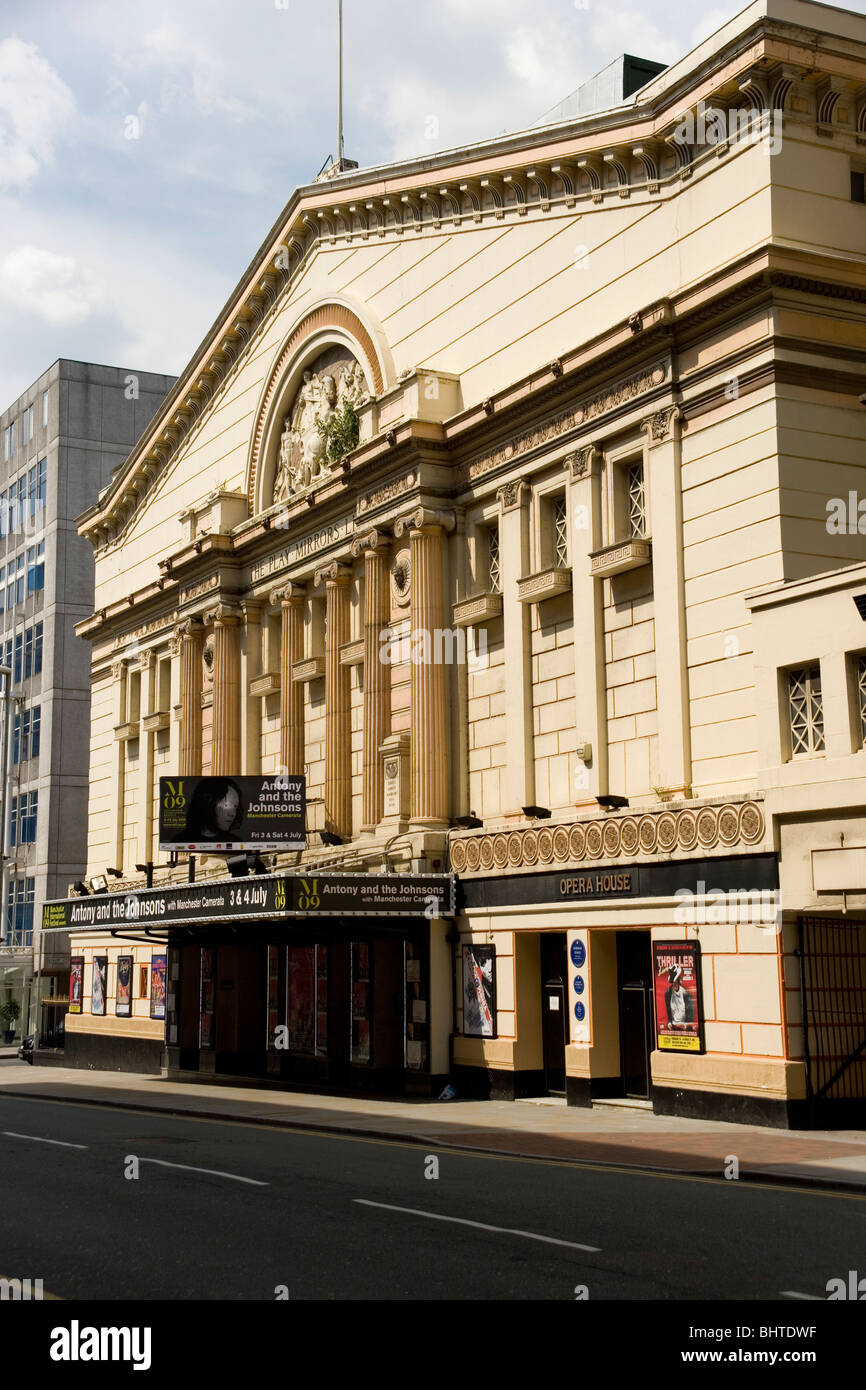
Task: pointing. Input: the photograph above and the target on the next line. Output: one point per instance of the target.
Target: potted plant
(10, 1012)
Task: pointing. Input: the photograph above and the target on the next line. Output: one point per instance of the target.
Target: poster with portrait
(76, 979)
(232, 814)
(157, 986)
(123, 1005)
(678, 996)
(479, 991)
(100, 974)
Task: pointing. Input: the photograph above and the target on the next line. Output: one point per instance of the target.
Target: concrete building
(605, 375)
(61, 441)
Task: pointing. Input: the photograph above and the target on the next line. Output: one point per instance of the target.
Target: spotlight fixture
(612, 803)
(147, 870)
(115, 873)
(82, 888)
(98, 883)
(238, 866)
(329, 838)
(536, 812)
(470, 822)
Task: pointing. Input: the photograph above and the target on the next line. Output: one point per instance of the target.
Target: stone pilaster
(428, 761)
(590, 672)
(375, 547)
(191, 635)
(147, 666)
(120, 677)
(338, 762)
(291, 598)
(251, 705)
(519, 782)
(226, 755)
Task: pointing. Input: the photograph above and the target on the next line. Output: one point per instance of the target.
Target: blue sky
(146, 148)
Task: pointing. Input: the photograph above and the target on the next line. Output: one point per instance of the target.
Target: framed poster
(678, 996)
(157, 986)
(123, 1006)
(479, 991)
(76, 978)
(142, 981)
(206, 997)
(100, 974)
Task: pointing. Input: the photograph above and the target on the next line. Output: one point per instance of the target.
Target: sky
(146, 148)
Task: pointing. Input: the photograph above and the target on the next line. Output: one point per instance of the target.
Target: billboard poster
(100, 973)
(76, 977)
(678, 997)
(479, 991)
(123, 1006)
(232, 814)
(206, 998)
(157, 986)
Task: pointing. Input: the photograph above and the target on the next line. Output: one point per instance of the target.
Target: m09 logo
(309, 895)
(174, 795)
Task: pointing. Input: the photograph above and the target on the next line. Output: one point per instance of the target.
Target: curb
(759, 1176)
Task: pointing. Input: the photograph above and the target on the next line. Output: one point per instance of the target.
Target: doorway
(634, 977)
(554, 1010)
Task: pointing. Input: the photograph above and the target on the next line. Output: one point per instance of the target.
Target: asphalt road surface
(221, 1210)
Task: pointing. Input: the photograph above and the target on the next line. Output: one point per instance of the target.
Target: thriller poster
(679, 1013)
(100, 974)
(479, 991)
(157, 986)
(76, 976)
(123, 1007)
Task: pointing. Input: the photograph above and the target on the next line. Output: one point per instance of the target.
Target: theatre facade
(457, 512)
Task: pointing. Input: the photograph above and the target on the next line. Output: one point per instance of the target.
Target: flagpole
(339, 85)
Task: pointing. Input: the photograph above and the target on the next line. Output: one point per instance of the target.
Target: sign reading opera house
(561, 394)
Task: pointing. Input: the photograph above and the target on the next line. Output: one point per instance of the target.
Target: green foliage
(10, 1011)
(340, 432)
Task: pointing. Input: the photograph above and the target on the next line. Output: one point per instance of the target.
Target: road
(325, 1217)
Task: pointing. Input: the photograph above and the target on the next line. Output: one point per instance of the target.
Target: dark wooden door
(554, 1004)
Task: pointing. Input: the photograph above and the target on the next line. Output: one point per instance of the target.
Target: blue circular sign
(579, 1012)
(578, 984)
(578, 953)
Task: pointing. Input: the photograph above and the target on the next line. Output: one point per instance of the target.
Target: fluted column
(191, 636)
(338, 783)
(226, 755)
(291, 598)
(428, 757)
(377, 674)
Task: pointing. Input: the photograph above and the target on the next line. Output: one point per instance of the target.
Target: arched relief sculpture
(332, 383)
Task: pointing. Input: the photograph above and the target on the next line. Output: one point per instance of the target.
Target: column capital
(584, 461)
(370, 540)
(224, 614)
(335, 573)
(252, 610)
(118, 668)
(425, 519)
(659, 425)
(146, 659)
(287, 595)
(189, 627)
(512, 495)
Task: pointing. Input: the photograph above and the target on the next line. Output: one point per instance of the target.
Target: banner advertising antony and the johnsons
(678, 998)
(240, 814)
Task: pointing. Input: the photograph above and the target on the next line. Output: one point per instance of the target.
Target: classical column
(590, 671)
(428, 757)
(175, 647)
(375, 547)
(666, 512)
(338, 764)
(147, 666)
(519, 787)
(251, 705)
(120, 677)
(291, 598)
(191, 635)
(226, 756)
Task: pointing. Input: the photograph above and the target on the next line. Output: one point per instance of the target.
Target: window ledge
(483, 608)
(352, 653)
(310, 670)
(160, 719)
(122, 732)
(620, 557)
(534, 588)
(268, 683)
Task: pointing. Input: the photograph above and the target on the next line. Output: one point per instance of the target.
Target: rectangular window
(36, 568)
(361, 1003)
(27, 813)
(19, 649)
(858, 186)
(560, 534)
(636, 501)
(2, 588)
(27, 425)
(41, 483)
(19, 579)
(494, 564)
(44, 410)
(16, 739)
(19, 912)
(307, 1004)
(21, 500)
(35, 730)
(12, 496)
(806, 711)
(13, 822)
(9, 442)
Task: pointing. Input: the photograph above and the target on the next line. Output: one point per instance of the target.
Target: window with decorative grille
(861, 696)
(635, 501)
(560, 534)
(806, 711)
(494, 564)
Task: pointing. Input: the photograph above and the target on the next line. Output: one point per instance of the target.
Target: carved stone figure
(333, 380)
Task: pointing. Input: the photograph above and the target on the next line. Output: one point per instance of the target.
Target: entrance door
(554, 1004)
(634, 971)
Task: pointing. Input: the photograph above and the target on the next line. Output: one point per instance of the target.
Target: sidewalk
(613, 1136)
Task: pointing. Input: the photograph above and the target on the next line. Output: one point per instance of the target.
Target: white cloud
(35, 108)
(54, 288)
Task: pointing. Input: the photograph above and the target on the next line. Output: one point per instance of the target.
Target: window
(19, 649)
(636, 501)
(494, 563)
(19, 579)
(858, 186)
(35, 730)
(2, 588)
(806, 711)
(41, 483)
(27, 425)
(22, 819)
(307, 1011)
(21, 500)
(32, 651)
(19, 912)
(9, 441)
(36, 568)
(26, 735)
(560, 534)
(44, 410)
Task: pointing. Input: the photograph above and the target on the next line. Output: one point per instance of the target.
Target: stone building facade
(605, 375)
